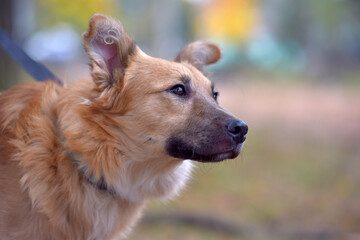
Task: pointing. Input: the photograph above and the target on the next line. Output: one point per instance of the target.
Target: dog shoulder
(16, 102)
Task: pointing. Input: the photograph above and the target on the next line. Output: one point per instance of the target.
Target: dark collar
(97, 183)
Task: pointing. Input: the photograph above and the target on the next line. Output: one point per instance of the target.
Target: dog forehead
(198, 80)
(160, 72)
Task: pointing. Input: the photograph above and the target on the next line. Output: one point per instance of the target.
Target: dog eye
(215, 95)
(178, 90)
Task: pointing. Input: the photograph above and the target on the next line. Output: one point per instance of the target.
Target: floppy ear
(109, 48)
(199, 54)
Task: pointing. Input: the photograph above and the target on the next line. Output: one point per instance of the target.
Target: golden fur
(58, 142)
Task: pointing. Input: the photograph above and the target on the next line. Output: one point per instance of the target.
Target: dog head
(170, 107)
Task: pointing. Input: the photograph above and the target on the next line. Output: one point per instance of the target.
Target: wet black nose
(237, 129)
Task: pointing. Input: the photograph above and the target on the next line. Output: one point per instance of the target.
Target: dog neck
(150, 182)
(83, 169)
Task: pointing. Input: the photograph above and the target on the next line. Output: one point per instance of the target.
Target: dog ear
(199, 54)
(109, 48)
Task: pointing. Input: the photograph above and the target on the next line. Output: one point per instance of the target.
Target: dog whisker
(86, 101)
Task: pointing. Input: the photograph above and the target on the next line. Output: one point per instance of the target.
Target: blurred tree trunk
(7, 70)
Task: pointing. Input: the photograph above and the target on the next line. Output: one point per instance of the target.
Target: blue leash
(37, 70)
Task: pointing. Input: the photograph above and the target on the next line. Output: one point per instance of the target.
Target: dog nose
(237, 129)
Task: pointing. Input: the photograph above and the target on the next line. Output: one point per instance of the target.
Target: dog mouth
(218, 157)
(210, 154)
(214, 157)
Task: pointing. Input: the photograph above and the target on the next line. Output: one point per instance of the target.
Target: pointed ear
(109, 48)
(199, 54)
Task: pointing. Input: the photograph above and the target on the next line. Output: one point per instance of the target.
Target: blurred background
(290, 70)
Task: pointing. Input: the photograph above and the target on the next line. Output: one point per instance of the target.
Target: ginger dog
(80, 162)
